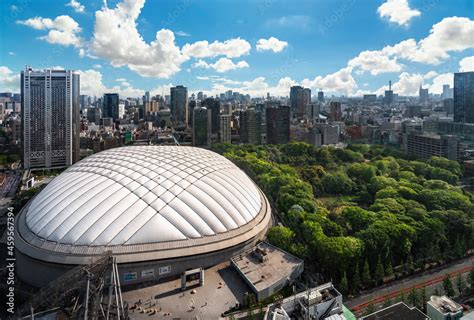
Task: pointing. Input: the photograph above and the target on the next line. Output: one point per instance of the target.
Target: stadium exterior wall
(35, 270)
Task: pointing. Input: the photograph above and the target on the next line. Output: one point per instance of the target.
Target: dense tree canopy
(364, 206)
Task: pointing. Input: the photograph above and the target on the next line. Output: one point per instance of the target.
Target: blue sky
(345, 47)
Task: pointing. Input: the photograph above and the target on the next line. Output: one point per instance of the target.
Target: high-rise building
(213, 105)
(464, 97)
(370, 98)
(312, 111)
(278, 124)
(191, 105)
(388, 99)
(320, 96)
(50, 118)
(201, 127)
(224, 128)
(93, 115)
(446, 92)
(250, 126)
(299, 98)
(84, 101)
(179, 105)
(110, 106)
(423, 95)
(200, 96)
(335, 111)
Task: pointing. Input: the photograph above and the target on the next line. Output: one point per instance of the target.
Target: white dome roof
(144, 194)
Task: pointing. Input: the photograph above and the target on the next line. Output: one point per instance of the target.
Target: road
(8, 190)
(431, 280)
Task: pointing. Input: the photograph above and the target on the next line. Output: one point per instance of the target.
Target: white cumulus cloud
(117, 40)
(92, 84)
(397, 11)
(232, 48)
(221, 65)
(272, 44)
(466, 64)
(340, 81)
(63, 29)
(77, 6)
(9, 81)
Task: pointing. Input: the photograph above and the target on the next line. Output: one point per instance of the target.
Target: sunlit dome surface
(144, 194)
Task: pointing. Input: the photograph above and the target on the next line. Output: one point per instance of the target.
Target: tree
(389, 269)
(448, 286)
(409, 266)
(336, 183)
(460, 284)
(370, 308)
(387, 303)
(356, 282)
(366, 278)
(282, 237)
(470, 277)
(361, 173)
(379, 272)
(423, 299)
(343, 284)
(413, 298)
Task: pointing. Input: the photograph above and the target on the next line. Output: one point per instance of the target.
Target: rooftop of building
(266, 265)
(444, 305)
(398, 311)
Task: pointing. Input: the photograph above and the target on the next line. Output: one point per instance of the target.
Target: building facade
(278, 124)
(201, 127)
(299, 98)
(50, 118)
(179, 105)
(427, 144)
(224, 128)
(110, 107)
(464, 97)
(250, 126)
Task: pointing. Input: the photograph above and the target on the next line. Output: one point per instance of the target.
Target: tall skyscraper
(464, 97)
(388, 99)
(299, 98)
(312, 111)
(201, 127)
(250, 126)
(50, 118)
(335, 111)
(224, 128)
(446, 92)
(423, 95)
(213, 105)
(179, 105)
(110, 106)
(278, 125)
(320, 96)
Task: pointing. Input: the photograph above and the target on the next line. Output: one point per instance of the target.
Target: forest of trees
(364, 213)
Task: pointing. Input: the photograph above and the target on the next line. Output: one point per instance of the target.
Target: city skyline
(130, 47)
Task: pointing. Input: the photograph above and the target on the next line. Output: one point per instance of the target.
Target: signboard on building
(129, 276)
(164, 270)
(148, 273)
